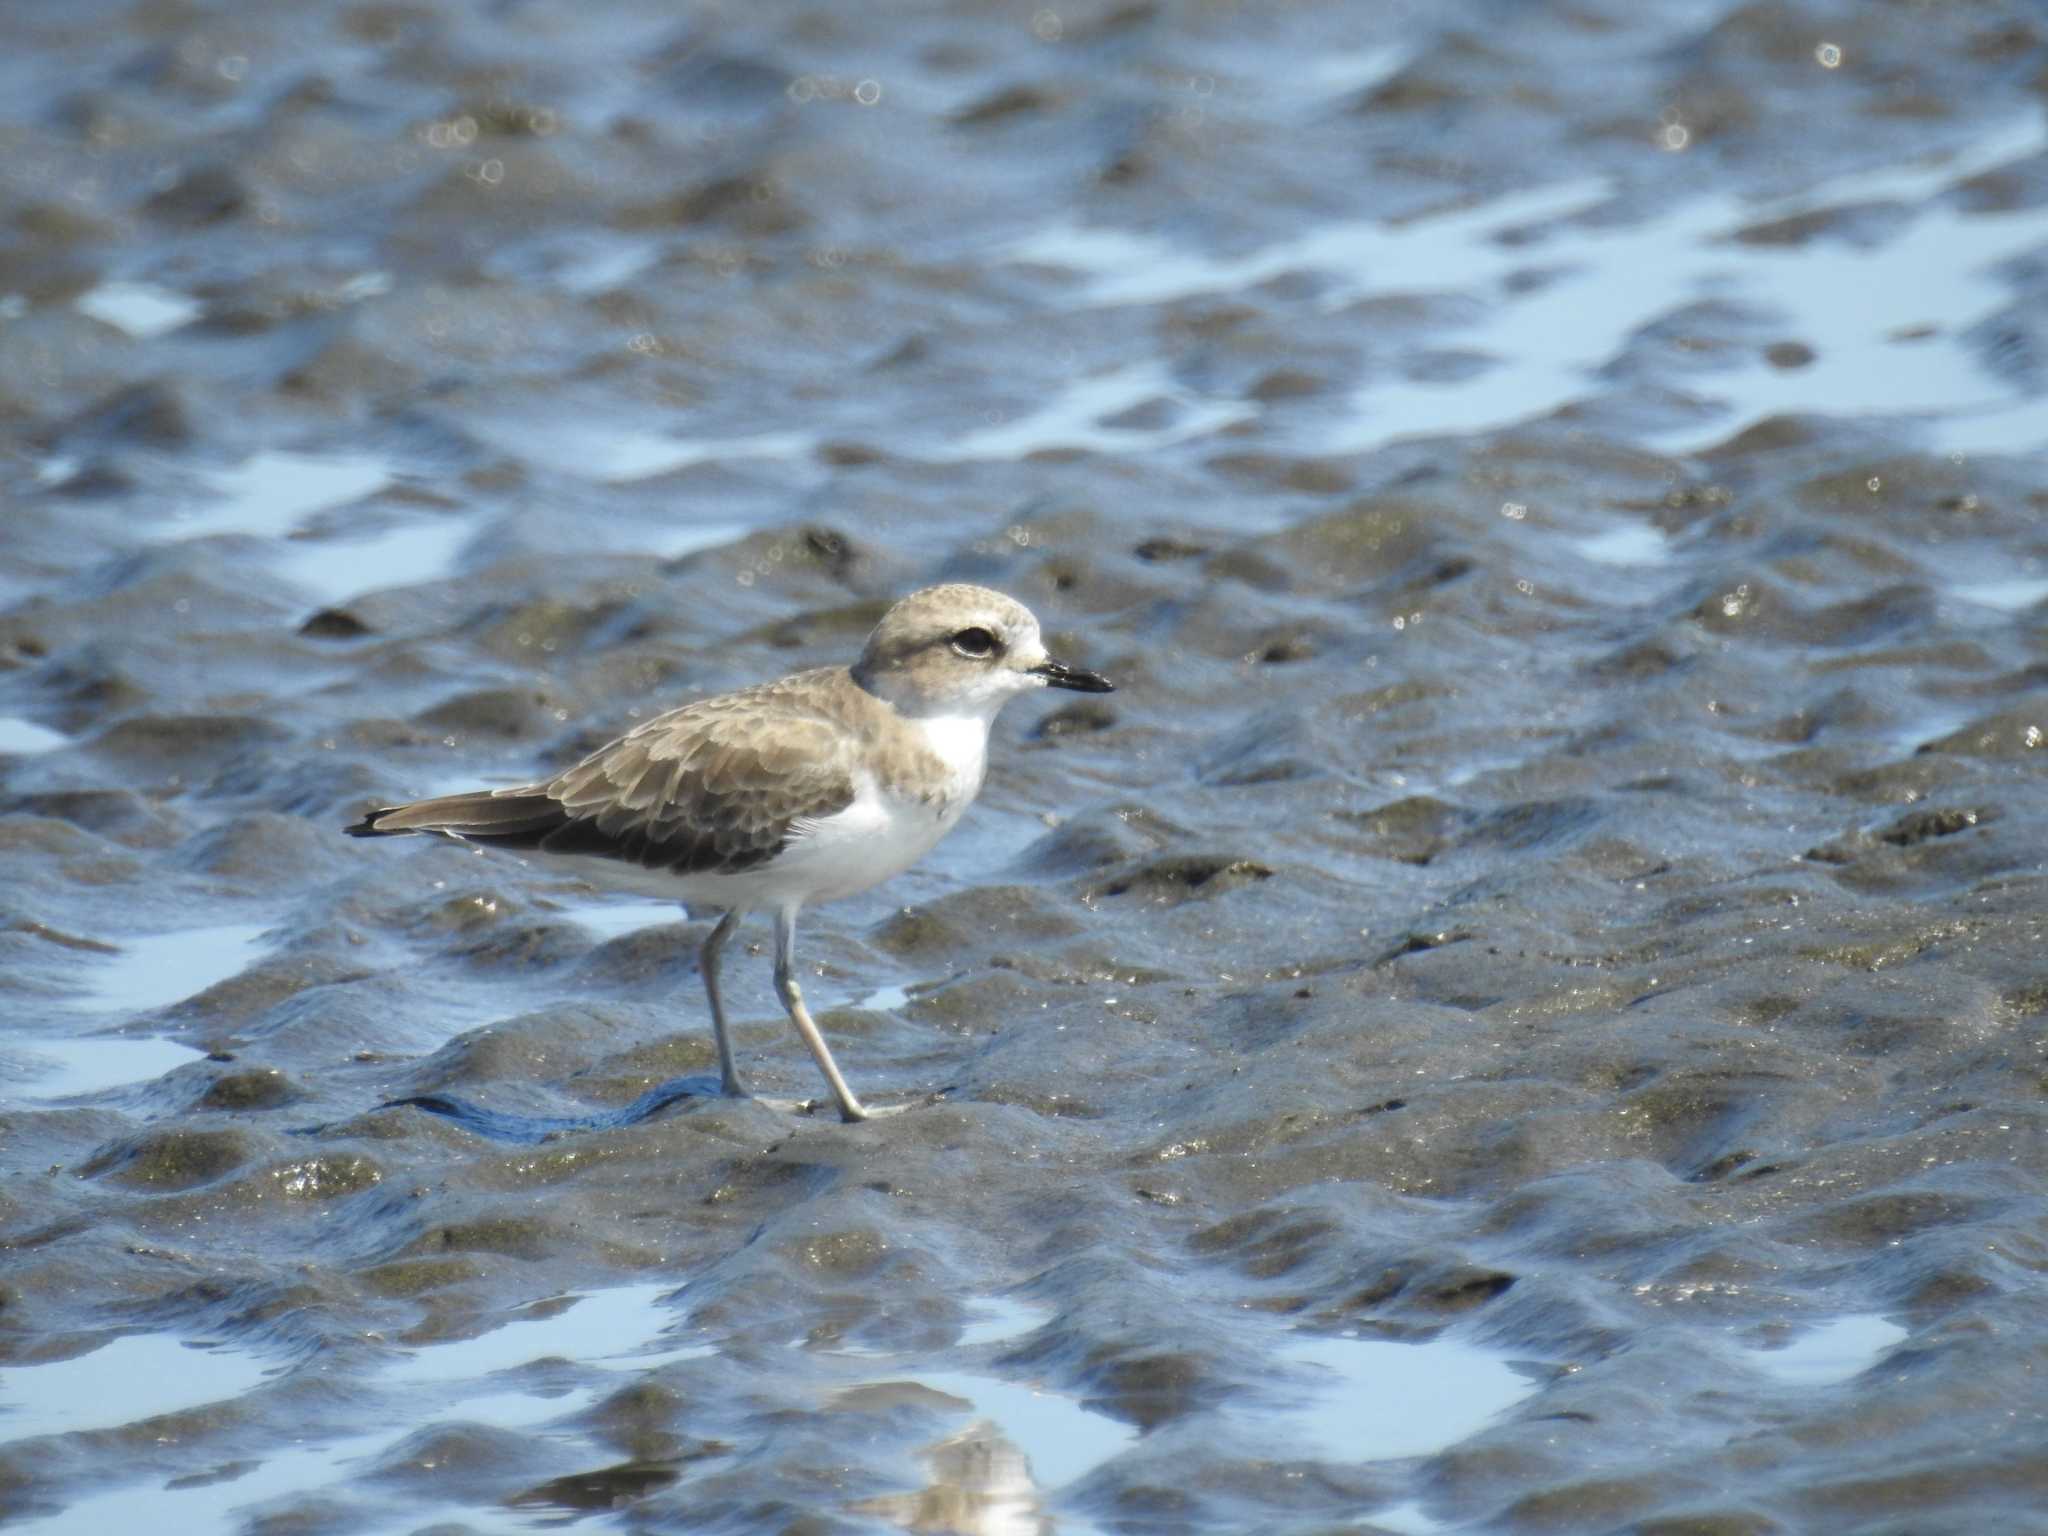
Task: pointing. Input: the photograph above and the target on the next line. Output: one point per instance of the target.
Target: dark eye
(975, 644)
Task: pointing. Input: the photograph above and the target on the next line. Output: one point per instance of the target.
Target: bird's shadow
(529, 1130)
(498, 1125)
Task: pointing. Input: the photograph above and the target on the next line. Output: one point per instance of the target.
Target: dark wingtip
(368, 827)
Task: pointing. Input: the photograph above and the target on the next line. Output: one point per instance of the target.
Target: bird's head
(960, 649)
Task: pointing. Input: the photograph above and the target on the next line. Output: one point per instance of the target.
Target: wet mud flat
(1527, 1011)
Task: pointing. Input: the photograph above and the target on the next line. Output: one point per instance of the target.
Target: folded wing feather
(703, 789)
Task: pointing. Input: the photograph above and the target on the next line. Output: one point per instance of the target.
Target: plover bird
(815, 786)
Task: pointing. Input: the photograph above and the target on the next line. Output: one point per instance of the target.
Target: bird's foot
(859, 1112)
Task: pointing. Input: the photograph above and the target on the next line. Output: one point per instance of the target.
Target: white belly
(881, 834)
(874, 838)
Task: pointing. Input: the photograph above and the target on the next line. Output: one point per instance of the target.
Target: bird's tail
(479, 813)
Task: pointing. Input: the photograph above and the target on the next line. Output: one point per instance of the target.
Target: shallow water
(25, 738)
(63, 1069)
(1523, 1013)
(610, 1329)
(271, 493)
(143, 310)
(1373, 1400)
(150, 971)
(1839, 1350)
(1058, 1439)
(138, 1377)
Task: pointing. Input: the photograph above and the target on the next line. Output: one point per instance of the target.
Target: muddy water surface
(1526, 1012)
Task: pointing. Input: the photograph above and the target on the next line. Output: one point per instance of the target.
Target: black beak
(1058, 674)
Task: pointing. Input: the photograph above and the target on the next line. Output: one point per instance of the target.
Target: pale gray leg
(793, 1001)
(707, 964)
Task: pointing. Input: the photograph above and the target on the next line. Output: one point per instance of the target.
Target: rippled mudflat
(1525, 1012)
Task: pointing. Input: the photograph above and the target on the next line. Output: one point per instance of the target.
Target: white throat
(959, 741)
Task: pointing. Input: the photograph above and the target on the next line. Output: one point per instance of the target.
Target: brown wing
(718, 786)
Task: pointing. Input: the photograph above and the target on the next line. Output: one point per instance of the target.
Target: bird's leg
(793, 1001)
(707, 964)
